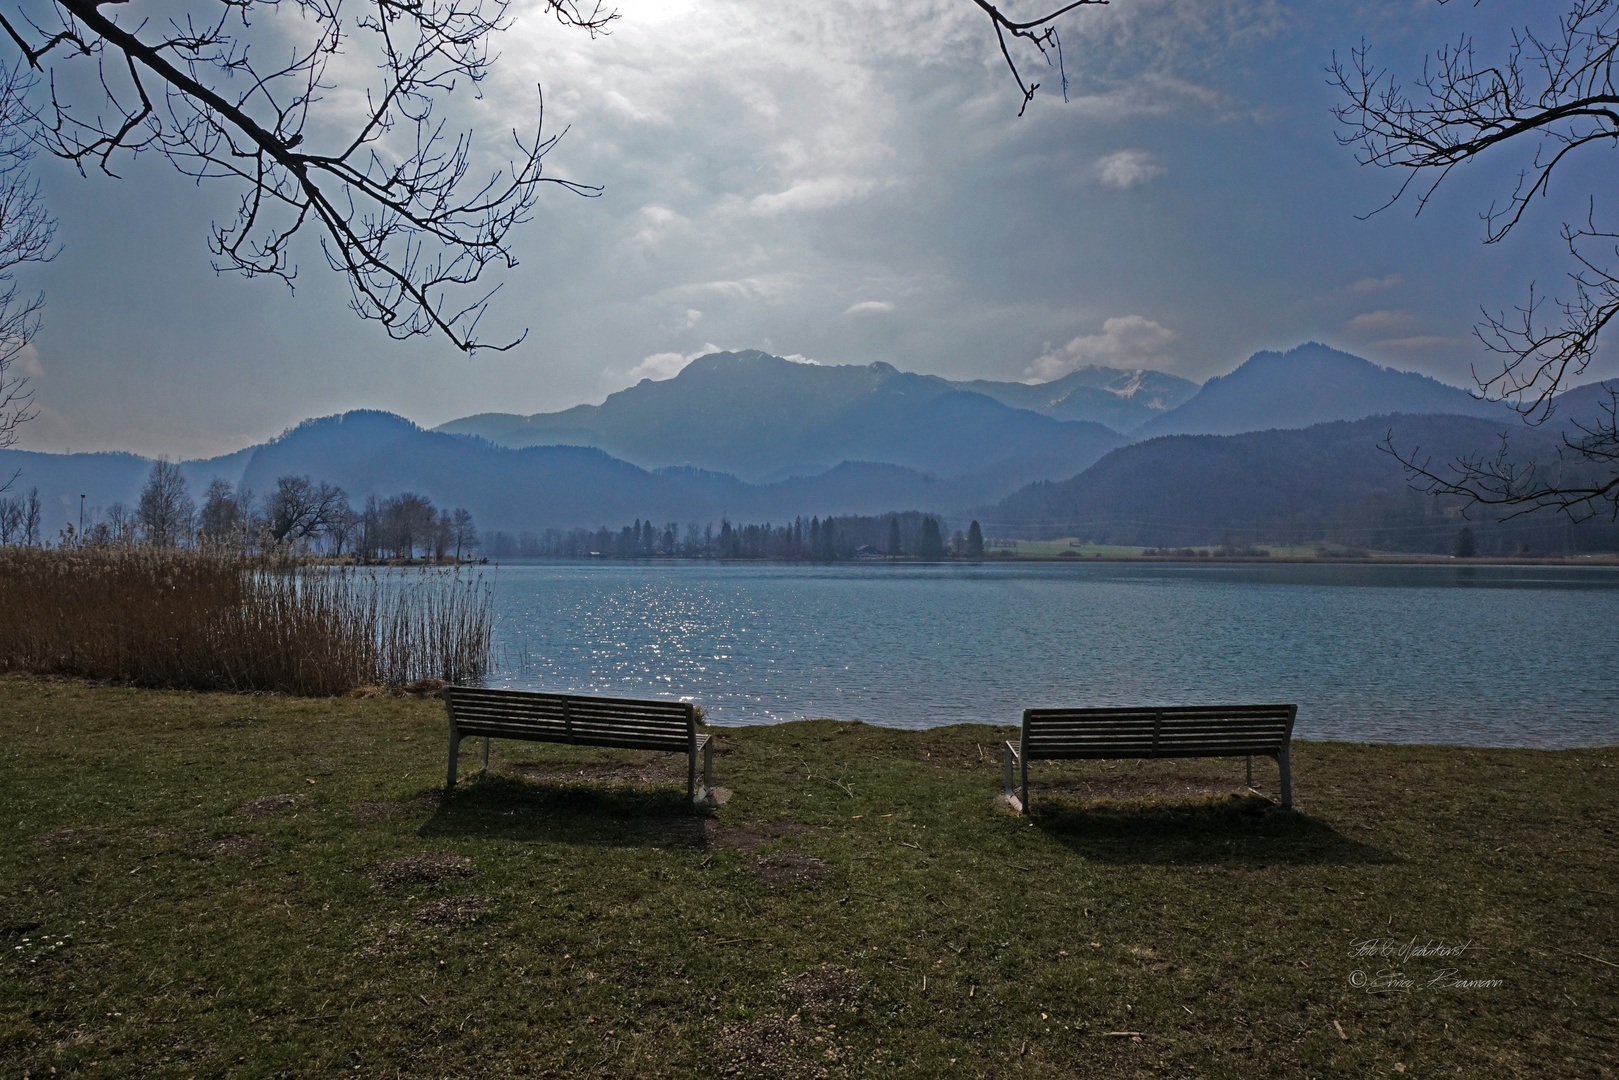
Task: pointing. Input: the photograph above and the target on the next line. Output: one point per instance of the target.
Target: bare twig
(1550, 95)
(403, 205)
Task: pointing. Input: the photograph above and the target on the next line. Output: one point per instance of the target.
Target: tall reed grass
(213, 621)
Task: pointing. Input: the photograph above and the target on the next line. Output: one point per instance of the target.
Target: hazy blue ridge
(758, 417)
(1328, 481)
(1312, 384)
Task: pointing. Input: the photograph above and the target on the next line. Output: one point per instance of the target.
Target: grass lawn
(207, 885)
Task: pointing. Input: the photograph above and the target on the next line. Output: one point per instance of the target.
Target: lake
(1473, 655)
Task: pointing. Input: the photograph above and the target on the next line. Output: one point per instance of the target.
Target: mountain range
(757, 437)
(762, 418)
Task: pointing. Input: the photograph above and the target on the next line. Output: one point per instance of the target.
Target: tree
(11, 514)
(343, 526)
(229, 92)
(1465, 546)
(930, 542)
(26, 236)
(894, 545)
(220, 518)
(406, 521)
(299, 507)
(975, 541)
(165, 509)
(32, 518)
(1550, 99)
(466, 534)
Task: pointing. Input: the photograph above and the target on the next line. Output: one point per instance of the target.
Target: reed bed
(213, 621)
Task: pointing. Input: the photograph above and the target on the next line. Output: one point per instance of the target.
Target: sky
(841, 181)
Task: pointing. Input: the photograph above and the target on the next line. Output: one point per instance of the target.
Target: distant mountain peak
(1311, 384)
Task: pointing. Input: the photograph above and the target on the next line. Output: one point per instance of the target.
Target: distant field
(214, 885)
(1074, 548)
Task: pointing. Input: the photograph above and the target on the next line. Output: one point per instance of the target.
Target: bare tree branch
(27, 235)
(1041, 32)
(397, 197)
(1550, 95)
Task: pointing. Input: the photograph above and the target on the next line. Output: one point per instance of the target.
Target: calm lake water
(1488, 656)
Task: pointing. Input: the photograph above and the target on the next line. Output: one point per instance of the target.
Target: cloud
(28, 365)
(1371, 324)
(1130, 341)
(1126, 169)
(1366, 285)
(666, 365)
(1419, 342)
(819, 194)
(870, 307)
(693, 317)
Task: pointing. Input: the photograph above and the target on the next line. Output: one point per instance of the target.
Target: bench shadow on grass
(1239, 830)
(610, 815)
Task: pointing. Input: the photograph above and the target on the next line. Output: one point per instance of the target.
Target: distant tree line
(1403, 521)
(20, 518)
(908, 535)
(300, 515)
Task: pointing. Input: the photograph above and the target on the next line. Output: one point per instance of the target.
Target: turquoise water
(1488, 656)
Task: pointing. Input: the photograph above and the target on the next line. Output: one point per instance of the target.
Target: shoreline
(1603, 560)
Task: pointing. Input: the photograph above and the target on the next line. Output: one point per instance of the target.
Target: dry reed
(211, 621)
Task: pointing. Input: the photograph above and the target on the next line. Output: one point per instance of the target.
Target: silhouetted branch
(1041, 32)
(396, 196)
(27, 234)
(1552, 95)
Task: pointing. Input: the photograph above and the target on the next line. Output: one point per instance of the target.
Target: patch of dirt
(74, 834)
(452, 911)
(822, 989)
(429, 868)
(752, 835)
(269, 805)
(241, 844)
(780, 1050)
(789, 869)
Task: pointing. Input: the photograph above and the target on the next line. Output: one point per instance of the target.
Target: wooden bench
(1181, 731)
(625, 723)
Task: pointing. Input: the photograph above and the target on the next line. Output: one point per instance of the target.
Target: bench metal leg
(1287, 778)
(1012, 758)
(708, 767)
(1023, 770)
(486, 753)
(1250, 772)
(691, 774)
(455, 755)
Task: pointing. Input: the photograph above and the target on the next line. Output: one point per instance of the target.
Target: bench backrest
(568, 718)
(1172, 731)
